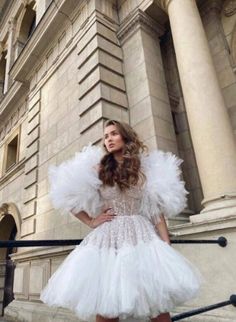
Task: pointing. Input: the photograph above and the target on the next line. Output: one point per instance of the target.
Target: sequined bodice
(129, 226)
(124, 203)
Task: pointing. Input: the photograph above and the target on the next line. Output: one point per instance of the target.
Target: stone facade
(166, 67)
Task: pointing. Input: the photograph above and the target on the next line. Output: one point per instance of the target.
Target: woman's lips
(111, 145)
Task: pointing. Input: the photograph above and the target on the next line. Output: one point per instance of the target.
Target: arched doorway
(8, 231)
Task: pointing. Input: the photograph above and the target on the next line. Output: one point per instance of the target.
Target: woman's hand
(107, 215)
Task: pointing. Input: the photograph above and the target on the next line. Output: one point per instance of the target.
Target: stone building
(165, 66)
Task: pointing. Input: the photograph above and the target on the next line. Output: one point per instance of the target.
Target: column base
(219, 202)
(216, 214)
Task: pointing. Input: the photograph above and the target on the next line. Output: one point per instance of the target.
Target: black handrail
(184, 315)
(221, 241)
(43, 242)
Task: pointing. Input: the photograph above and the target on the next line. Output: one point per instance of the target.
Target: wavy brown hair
(128, 173)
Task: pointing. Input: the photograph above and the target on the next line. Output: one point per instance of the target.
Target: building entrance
(8, 231)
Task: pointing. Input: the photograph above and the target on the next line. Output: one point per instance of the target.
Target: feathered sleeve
(74, 184)
(164, 191)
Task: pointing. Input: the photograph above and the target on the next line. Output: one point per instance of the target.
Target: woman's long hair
(127, 173)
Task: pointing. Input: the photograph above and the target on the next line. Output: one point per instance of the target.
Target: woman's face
(112, 139)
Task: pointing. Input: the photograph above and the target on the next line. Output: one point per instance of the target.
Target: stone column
(208, 119)
(9, 58)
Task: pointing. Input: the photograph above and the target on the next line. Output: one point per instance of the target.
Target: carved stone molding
(12, 24)
(4, 209)
(230, 8)
(139, 19)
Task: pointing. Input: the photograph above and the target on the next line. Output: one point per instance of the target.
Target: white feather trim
(164, 191)
(74, 184)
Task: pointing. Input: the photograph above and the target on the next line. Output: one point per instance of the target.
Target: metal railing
(221, 241)
(184, 315)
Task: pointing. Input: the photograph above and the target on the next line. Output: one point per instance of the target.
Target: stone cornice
(52, 20)
(39, 252)
(15, 170)
(13, 95)
(136, 20)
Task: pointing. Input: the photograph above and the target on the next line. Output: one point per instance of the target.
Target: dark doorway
(8, 231)
(9, 273)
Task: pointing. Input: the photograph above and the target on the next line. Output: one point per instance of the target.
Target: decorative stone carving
(4, 209)
(230, 8)
(136, 20)
(11, 24)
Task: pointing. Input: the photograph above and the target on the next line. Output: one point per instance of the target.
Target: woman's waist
(122, 210)
(126, 214)
(130, 218)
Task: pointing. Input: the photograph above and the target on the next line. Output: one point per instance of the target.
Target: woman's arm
(84, 217)
(162, 229)
(106, 215)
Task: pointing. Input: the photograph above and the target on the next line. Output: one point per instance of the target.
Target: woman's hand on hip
(107, 215)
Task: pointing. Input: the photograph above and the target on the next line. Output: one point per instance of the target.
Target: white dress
(122, 268)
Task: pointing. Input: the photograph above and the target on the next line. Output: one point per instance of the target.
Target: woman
(125, 267)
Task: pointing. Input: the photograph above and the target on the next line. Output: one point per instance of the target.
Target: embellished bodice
(128, 226)
(124, 203)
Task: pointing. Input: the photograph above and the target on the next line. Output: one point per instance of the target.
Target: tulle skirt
(122, 269)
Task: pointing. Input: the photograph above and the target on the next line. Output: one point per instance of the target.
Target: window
(12, 152)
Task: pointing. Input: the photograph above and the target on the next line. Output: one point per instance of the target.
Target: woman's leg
(99, 318)
(164, 317)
